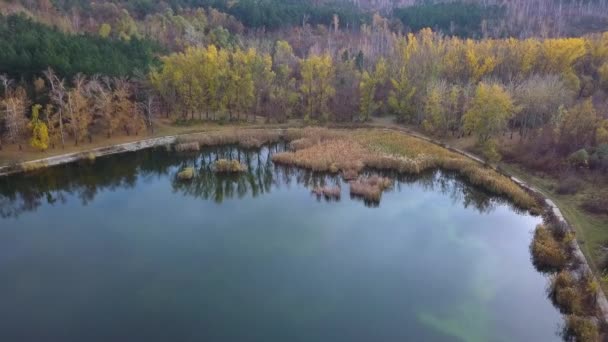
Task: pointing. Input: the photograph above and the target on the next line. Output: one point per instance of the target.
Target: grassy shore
(11, 154)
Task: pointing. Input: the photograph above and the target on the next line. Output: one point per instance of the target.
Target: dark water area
(120, 250)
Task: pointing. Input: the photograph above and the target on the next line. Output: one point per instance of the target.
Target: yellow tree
(401, 94)
(283, 95)
(559, 57)
(211, 74)
(367, 90)
(435, 109)
(263, 77)
(577, 127)
(479, 59)
(40, 134)
(489, 111)
(317, 86)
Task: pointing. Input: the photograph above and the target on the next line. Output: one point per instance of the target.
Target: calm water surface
(118, 250)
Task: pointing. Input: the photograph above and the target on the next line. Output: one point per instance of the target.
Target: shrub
(547, 253)
(599, 158)
(579, 158)
(569, 186)
(596, 203)
(228, 166)
(581, 329)
(490, 151)
(186, 174)
(568, 299)
(565, 294)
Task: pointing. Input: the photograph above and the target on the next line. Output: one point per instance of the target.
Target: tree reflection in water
(27, 192)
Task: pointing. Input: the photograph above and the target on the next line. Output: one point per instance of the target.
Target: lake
(120, 250)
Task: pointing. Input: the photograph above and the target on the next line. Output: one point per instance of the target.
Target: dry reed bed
(187, 147)
(370, 188)
(382, 150)
(251, 138)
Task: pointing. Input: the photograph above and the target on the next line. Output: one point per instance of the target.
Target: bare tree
(58, 97)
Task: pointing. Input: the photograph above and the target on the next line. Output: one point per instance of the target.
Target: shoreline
(548, 205)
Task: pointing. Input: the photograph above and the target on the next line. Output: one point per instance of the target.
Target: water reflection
(27, 192)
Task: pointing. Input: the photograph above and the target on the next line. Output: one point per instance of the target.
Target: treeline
(27, 48)
(270, 14)
(548, 95)
(454, 18)
(545, 93)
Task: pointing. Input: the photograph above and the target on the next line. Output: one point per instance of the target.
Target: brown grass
(350, 174)
(330, 155)
(187, 147)
(334, 151)
(548, 254)
(370, 188)
(247, 138)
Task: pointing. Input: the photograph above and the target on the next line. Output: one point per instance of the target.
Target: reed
(187, 147)
(548, 254)
(370, 188)
(33, 166)
(333, 151)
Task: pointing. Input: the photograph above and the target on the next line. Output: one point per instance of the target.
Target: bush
(568, 299)
(569, 186)
(581, 329)
(547, 253)
(579, 158)
(599, 158)
(490, 151)
(565, 293)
